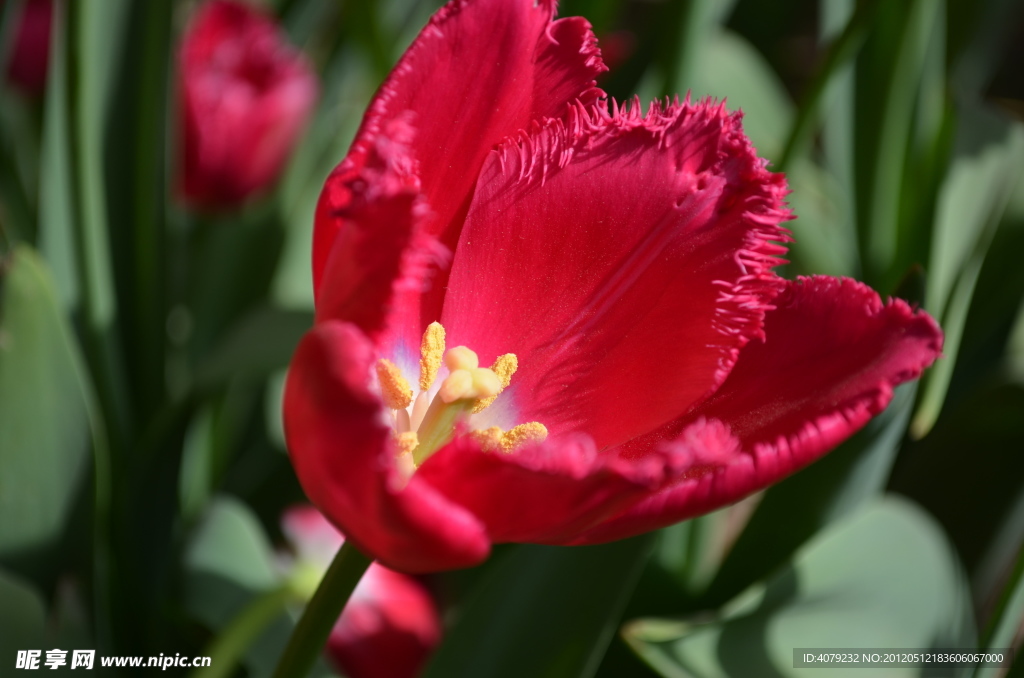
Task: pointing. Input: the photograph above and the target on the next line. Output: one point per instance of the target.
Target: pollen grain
(516, 437)
(431, 354)
(394, 389)
(406, 442)
(505, 366)
(489, 438)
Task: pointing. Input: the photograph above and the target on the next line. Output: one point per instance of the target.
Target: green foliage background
(142, 350)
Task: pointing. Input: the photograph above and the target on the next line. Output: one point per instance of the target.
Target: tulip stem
(242, 631)
(310, 634)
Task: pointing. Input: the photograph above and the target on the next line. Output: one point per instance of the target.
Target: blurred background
(147, 318)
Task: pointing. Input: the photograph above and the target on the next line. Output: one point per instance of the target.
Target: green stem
(310, 634)
(229, 646)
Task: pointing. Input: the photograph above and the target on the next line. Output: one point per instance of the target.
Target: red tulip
(615, 270)
(246, 95)
(29, 55)
(390, 625)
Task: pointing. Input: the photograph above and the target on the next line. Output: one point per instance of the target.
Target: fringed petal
(833, 354)
(546, 492)
(624, 258)
(381, 250)
(481, 70)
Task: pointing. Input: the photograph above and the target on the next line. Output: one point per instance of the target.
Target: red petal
(543, 493)
(381, 249)
(832, 356)
(624, 259)
(480, 71)
(342, 454)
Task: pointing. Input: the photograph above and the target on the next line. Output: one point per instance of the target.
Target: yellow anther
(456, 386)
(394, 389)
(431, 351)
(489, 438)
(486, 383)
(505, 366)
(461, 358)
(530, 432)
(433, 420)
(406, 442)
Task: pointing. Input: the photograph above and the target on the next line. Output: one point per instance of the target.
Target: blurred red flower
(390, 625)
(246, 95)
(29, 55)
(615, 270)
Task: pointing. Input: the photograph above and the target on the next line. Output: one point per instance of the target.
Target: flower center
(424, 423)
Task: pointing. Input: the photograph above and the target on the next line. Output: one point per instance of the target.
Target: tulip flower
(390, 625)
(546, 317)
(29, 54)
(245, 97)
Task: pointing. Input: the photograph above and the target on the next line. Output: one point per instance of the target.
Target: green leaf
(230, 543)
(894, 64)
(1006, 621)
(975, 193)
(233, 263)
(131, 104)
(72, 232)
(56, 233)
(730, 68)
(883, 578)
(543, 611)
(17, 211)
(693, 551)
(972, 200)
(792, 511)
(196, 480)
(44, 417)
(261, 343)
(22, 619)
(694, 23)
(229, 562)
(981, 503)
(826, 242)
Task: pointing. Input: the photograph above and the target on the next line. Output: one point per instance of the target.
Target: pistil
(429, 424)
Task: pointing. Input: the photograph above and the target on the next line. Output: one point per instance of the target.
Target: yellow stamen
(394, 389)
(406, 442)
(505, 366)
(530, 432)
(433, 418)
(489, 438)
(461, 358)
(431, 351)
